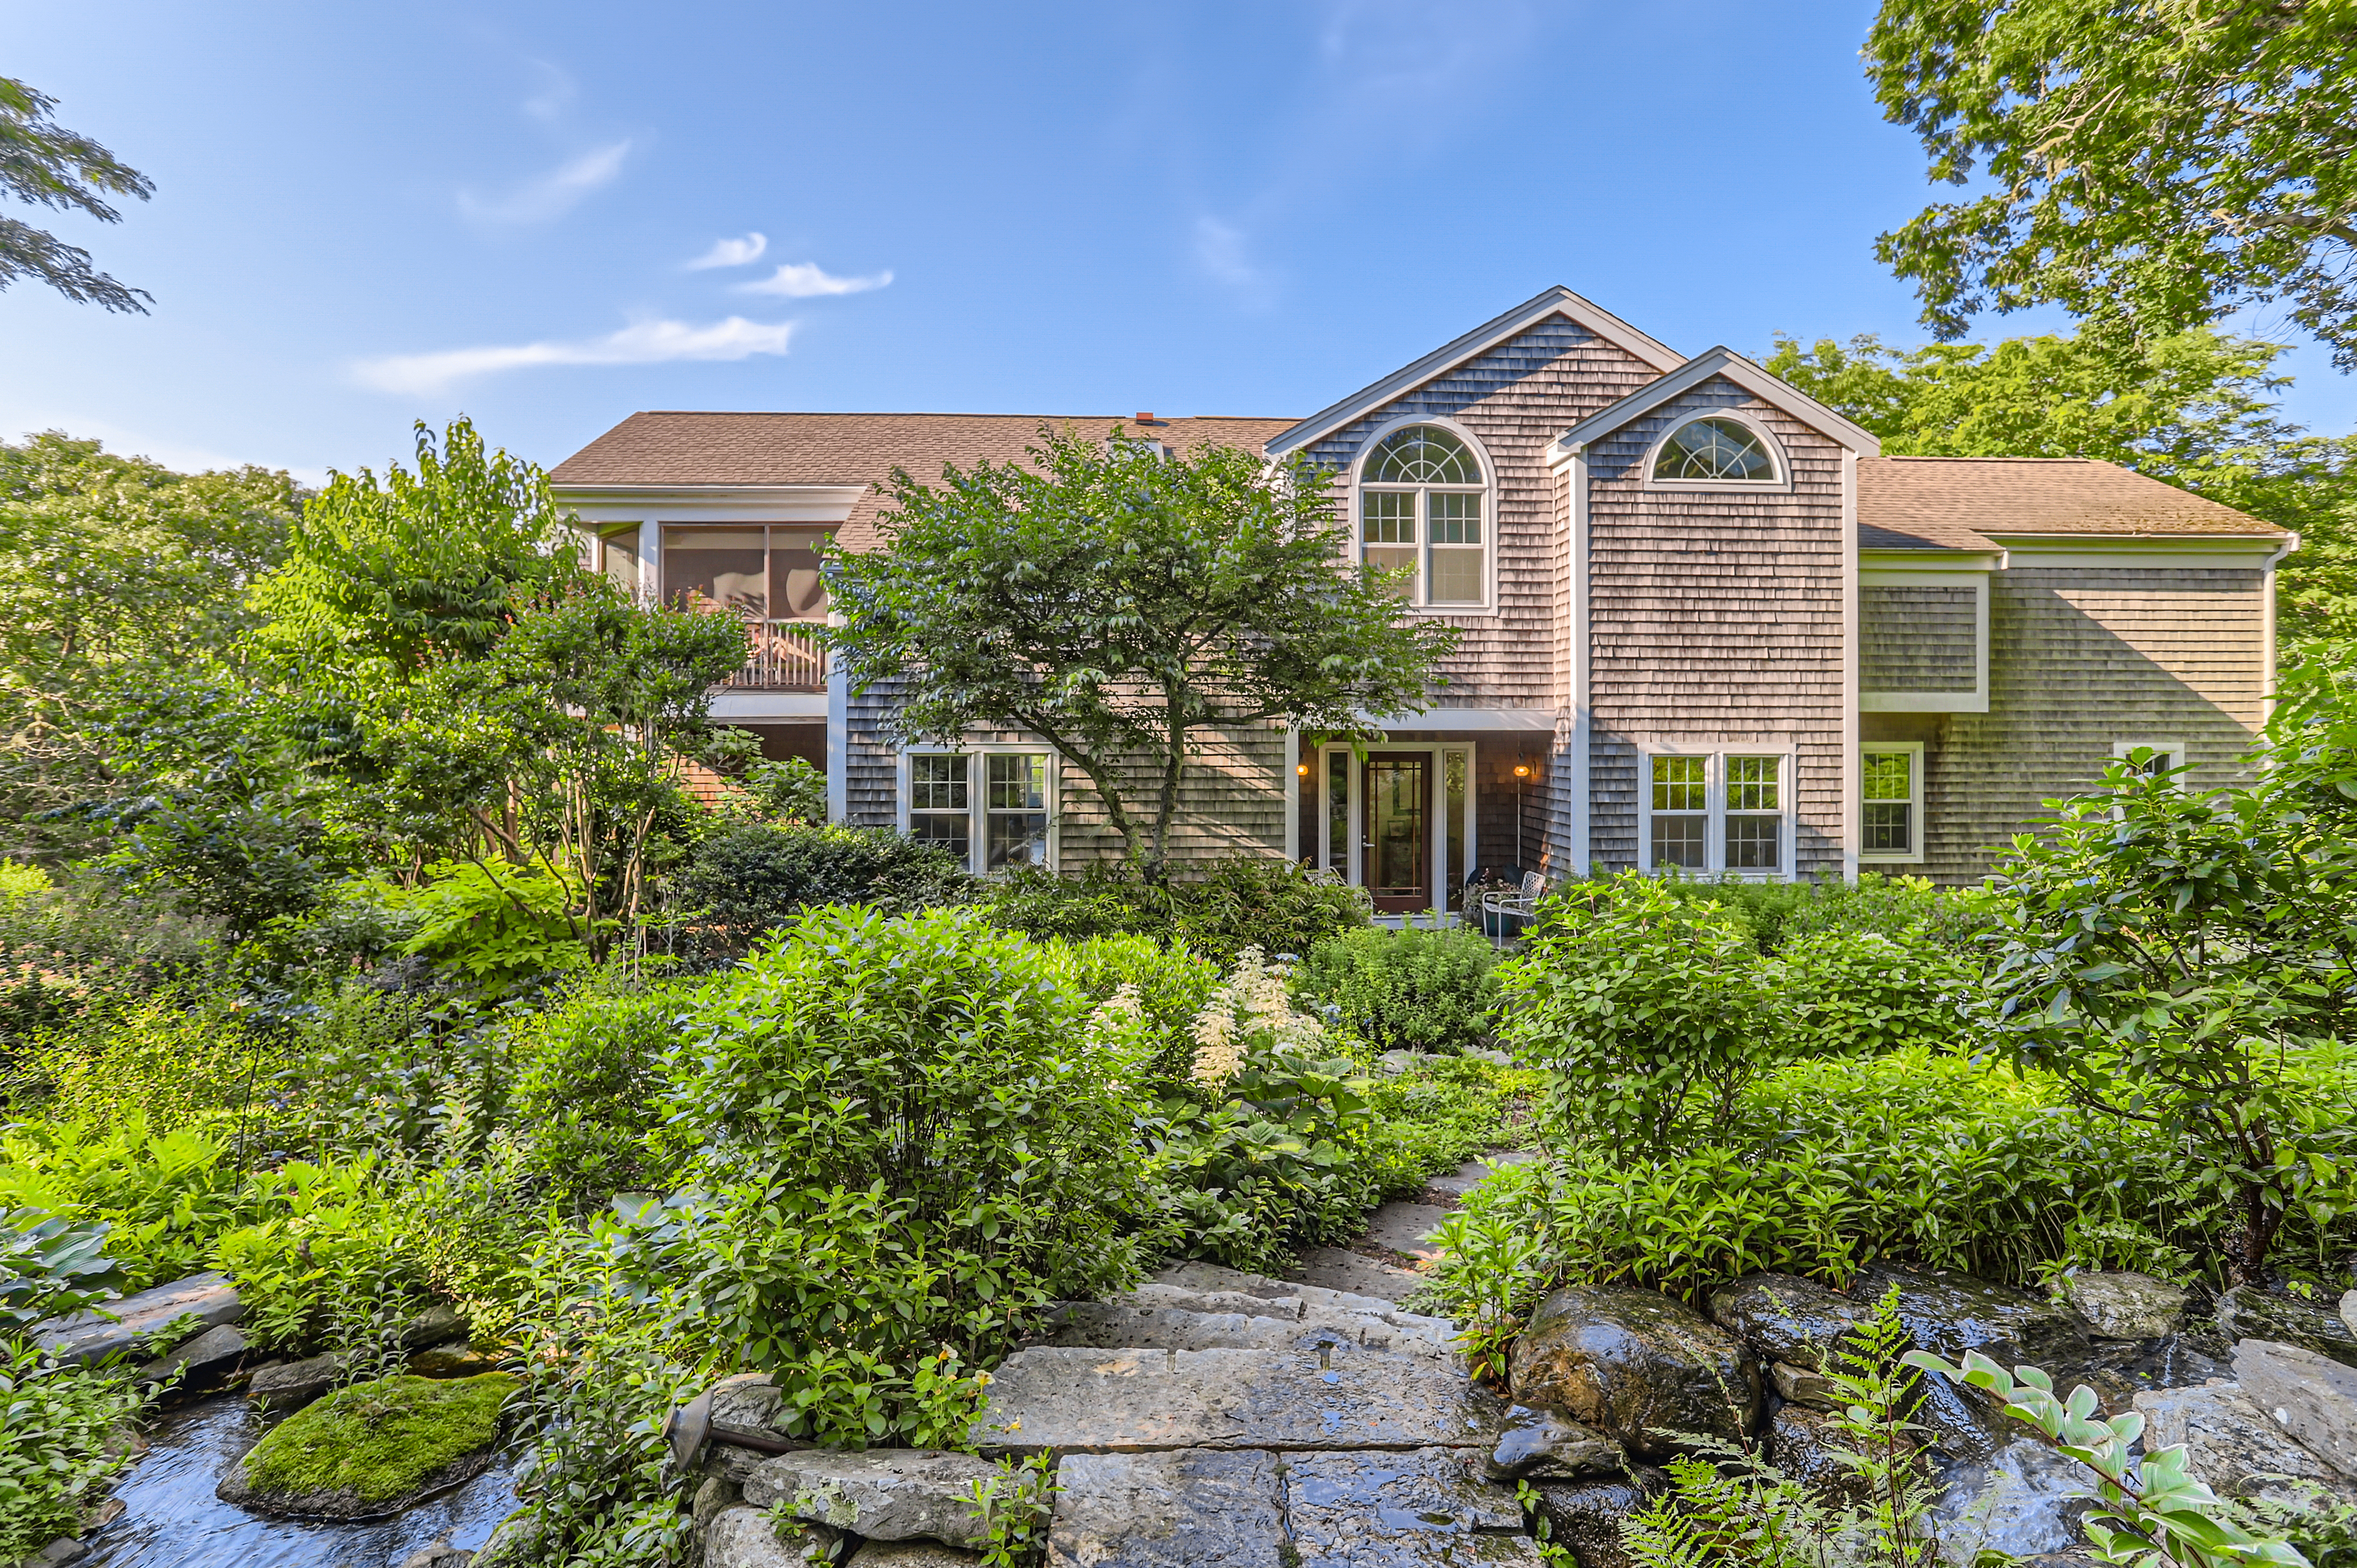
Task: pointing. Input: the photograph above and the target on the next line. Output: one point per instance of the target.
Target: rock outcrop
(1638, 1366)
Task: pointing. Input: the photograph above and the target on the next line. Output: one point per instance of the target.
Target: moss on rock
(372, 1448)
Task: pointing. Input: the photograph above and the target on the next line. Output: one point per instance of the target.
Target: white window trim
(977, 794)
(2174, 749)
(1489, 604)
(1914, 853)
(1333, 754)
(1976, 701)
(1778, 486)
(1715, 810)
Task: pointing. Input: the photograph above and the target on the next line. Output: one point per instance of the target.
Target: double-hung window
(1891, 814)
(989, 809)
(1711, 813)
(1422, 513)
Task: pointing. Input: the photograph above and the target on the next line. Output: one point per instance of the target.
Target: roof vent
(1147, 419)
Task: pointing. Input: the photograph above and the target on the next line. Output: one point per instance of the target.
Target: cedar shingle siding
(2120, 608)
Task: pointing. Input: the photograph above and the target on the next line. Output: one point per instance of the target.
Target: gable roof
(1723, 362)
(665, 449)
(1556, 301)
(1973, 503)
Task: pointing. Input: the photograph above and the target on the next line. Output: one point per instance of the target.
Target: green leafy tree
(2198, 409)
(43, 162)
(1120, 603)
(2149, 167)
(2172, 957)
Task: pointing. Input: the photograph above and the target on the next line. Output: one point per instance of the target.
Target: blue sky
(369, 213)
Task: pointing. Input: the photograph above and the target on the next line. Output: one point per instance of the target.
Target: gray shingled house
(1705, 623)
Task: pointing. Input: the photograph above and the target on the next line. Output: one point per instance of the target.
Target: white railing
(786, 657)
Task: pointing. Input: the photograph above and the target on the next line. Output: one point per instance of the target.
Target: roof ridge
(1961, 458)
(929, 413)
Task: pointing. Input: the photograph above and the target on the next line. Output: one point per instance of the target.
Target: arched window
(1421, 497)
(1716, 451)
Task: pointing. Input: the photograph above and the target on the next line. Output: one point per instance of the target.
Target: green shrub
(792, 791)
(1844, 992)
(69, 940)
(60, 1448)
(748, 878)
(1780, 912)
(587, 1071)
(163, 1196)
(895, 1140)
(1651, 1012)
(1410, 989)
(1218, 908)
(1167, 986)
(181, 1058)
(499, 924)
(369, 1071)
(1916, 1155)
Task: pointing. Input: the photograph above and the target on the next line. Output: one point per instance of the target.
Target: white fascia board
(758, 707)
(1557, 301)
(709, 503)
(1877, 566)
(1719, 362)
(1518, 720)
(2145, 550)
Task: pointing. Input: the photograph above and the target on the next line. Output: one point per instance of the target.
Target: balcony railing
(786, 657)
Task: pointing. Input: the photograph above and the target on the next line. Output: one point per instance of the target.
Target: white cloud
(551, 195)
(1220, 251)
(646, 343)
(805, 280)
(731, 253)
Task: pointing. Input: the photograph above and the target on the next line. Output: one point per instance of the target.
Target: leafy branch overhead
(1120, 601)
(2149, 166)
(43, 162)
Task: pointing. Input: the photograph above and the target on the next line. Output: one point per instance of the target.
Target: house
(1705, 623)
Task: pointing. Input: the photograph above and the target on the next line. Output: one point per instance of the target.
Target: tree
(2154, 165)
(1118, 602)
(2197, 410)
(43, 162)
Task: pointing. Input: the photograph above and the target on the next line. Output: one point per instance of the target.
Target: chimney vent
(1147, 419)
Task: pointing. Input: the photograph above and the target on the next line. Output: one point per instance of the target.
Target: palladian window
(1421, 504)
(1716, 451)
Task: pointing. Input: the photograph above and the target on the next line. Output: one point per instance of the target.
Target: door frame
(1336, 758)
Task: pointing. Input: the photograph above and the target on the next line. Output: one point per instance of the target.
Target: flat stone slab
(884, 1494)
(1113, 1326)
(1473, 1173)
(1417, 1510)
(209, 1356)
(2312, 1397)
(1406, 1228)
(908, 1554)
(86, 1337)
(1109, 1401)
(742, 1537)
(1188, 1508)
(1335, 1269)
(2231, 1445)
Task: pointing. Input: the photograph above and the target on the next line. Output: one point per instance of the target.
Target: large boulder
(130, 1323)
(1949, 1313)
(291, 1385)
(742, 1537)
(2312, 1397)
(1783, 1317)
(885, 1494)
(2231, 1445)
(372, 1449)
(2120, 1304)
(2249, 1312)
(1586, 1516)
(1802, 1443)
(1636, 1366)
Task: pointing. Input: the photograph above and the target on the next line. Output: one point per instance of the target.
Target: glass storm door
(1397, 850)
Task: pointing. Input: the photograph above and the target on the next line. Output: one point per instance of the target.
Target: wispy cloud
(1220, 252)
(805, 280)
(550, 195)
(731, 253)
(556, 92)
(645, 343)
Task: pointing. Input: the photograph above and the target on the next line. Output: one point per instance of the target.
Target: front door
(1396, 854)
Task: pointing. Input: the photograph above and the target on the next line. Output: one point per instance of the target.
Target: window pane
(1423, 455)
(951, 831)
(717, 569)
(1678, 784)
(1678, 841)
(1751, 783)
(1456, 577)
(1714, 449)
(1019, 783)
(1753, 842)
(1890, 828)
(1889, 775)
(1387, 517)
(937, 783)
(618, 558)
(1338, 813)
(1455, 517)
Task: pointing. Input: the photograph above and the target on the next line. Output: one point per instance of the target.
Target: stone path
(1215, 1419)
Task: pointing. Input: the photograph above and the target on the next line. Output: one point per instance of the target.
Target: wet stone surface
(1400, 1510)
(1189, 1509)
(2246, 1312)
(1783, 1317)
(1585, 1516)
(1949, 1313)
(1635, 1364)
